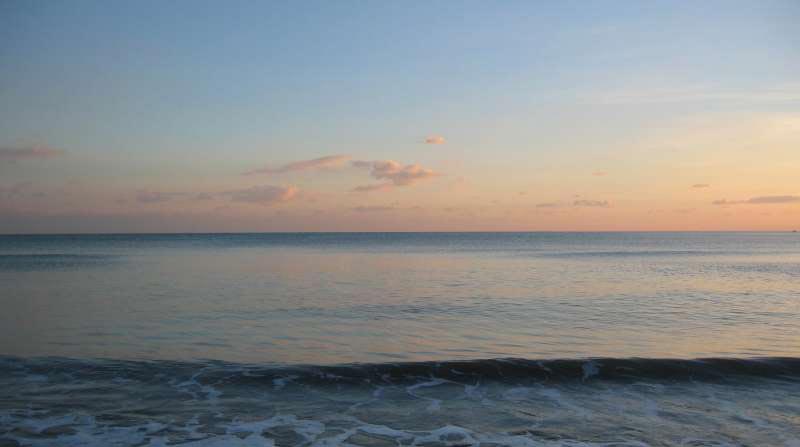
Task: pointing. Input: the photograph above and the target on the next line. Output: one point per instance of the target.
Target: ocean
(400, 339)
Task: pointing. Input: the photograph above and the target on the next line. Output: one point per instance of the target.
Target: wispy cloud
(373, 209)
(592, 203)
(760, 200)
(599, 173)
(393, 172)
(330, 161)
(435, 139)
(29, 153)
(779, 94)
(547, 205)
(264, 194)
(372, 187)
(155, 196)
(148, 196)
(15, 190)
(701, 185)
(774, 199)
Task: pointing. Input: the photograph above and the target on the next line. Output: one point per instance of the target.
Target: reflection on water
(338, 298)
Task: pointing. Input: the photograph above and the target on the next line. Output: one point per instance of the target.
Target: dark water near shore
(377, 339)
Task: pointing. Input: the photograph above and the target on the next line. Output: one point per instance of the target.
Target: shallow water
(224, 339)
(600, 402)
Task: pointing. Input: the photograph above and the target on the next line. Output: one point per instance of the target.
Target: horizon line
(200, 233)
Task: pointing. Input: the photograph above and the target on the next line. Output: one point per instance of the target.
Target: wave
(465, 371)
(502, 402)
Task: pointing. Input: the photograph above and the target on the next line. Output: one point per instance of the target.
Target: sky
(207, 116)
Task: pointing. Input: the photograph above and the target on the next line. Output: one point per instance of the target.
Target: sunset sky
(191, 116)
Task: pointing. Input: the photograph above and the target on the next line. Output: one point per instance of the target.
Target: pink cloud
(330, 161)
(264, 194)
(701, 185)
(435, 139)
(395, 174)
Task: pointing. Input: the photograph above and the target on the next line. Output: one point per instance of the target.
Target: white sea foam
(281, 382)
(590, 369)
(215, 407)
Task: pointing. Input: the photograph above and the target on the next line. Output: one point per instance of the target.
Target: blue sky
(187, 95)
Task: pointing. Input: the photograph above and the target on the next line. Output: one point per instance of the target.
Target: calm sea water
(401, 339)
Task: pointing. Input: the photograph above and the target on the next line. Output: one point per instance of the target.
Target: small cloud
(29, 153)
(435, 139)
(701, 185)
(147, 196)
(15, 190)
(592, 203)
(155, 196)
(599, 173)
(373, 209)
(264, 195)
(330, 161)
(760, 200)
(373, 187)
(547, 205)
(395, 173)
(774, 199)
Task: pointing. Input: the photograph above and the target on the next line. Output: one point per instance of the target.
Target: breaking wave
(496, 402)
